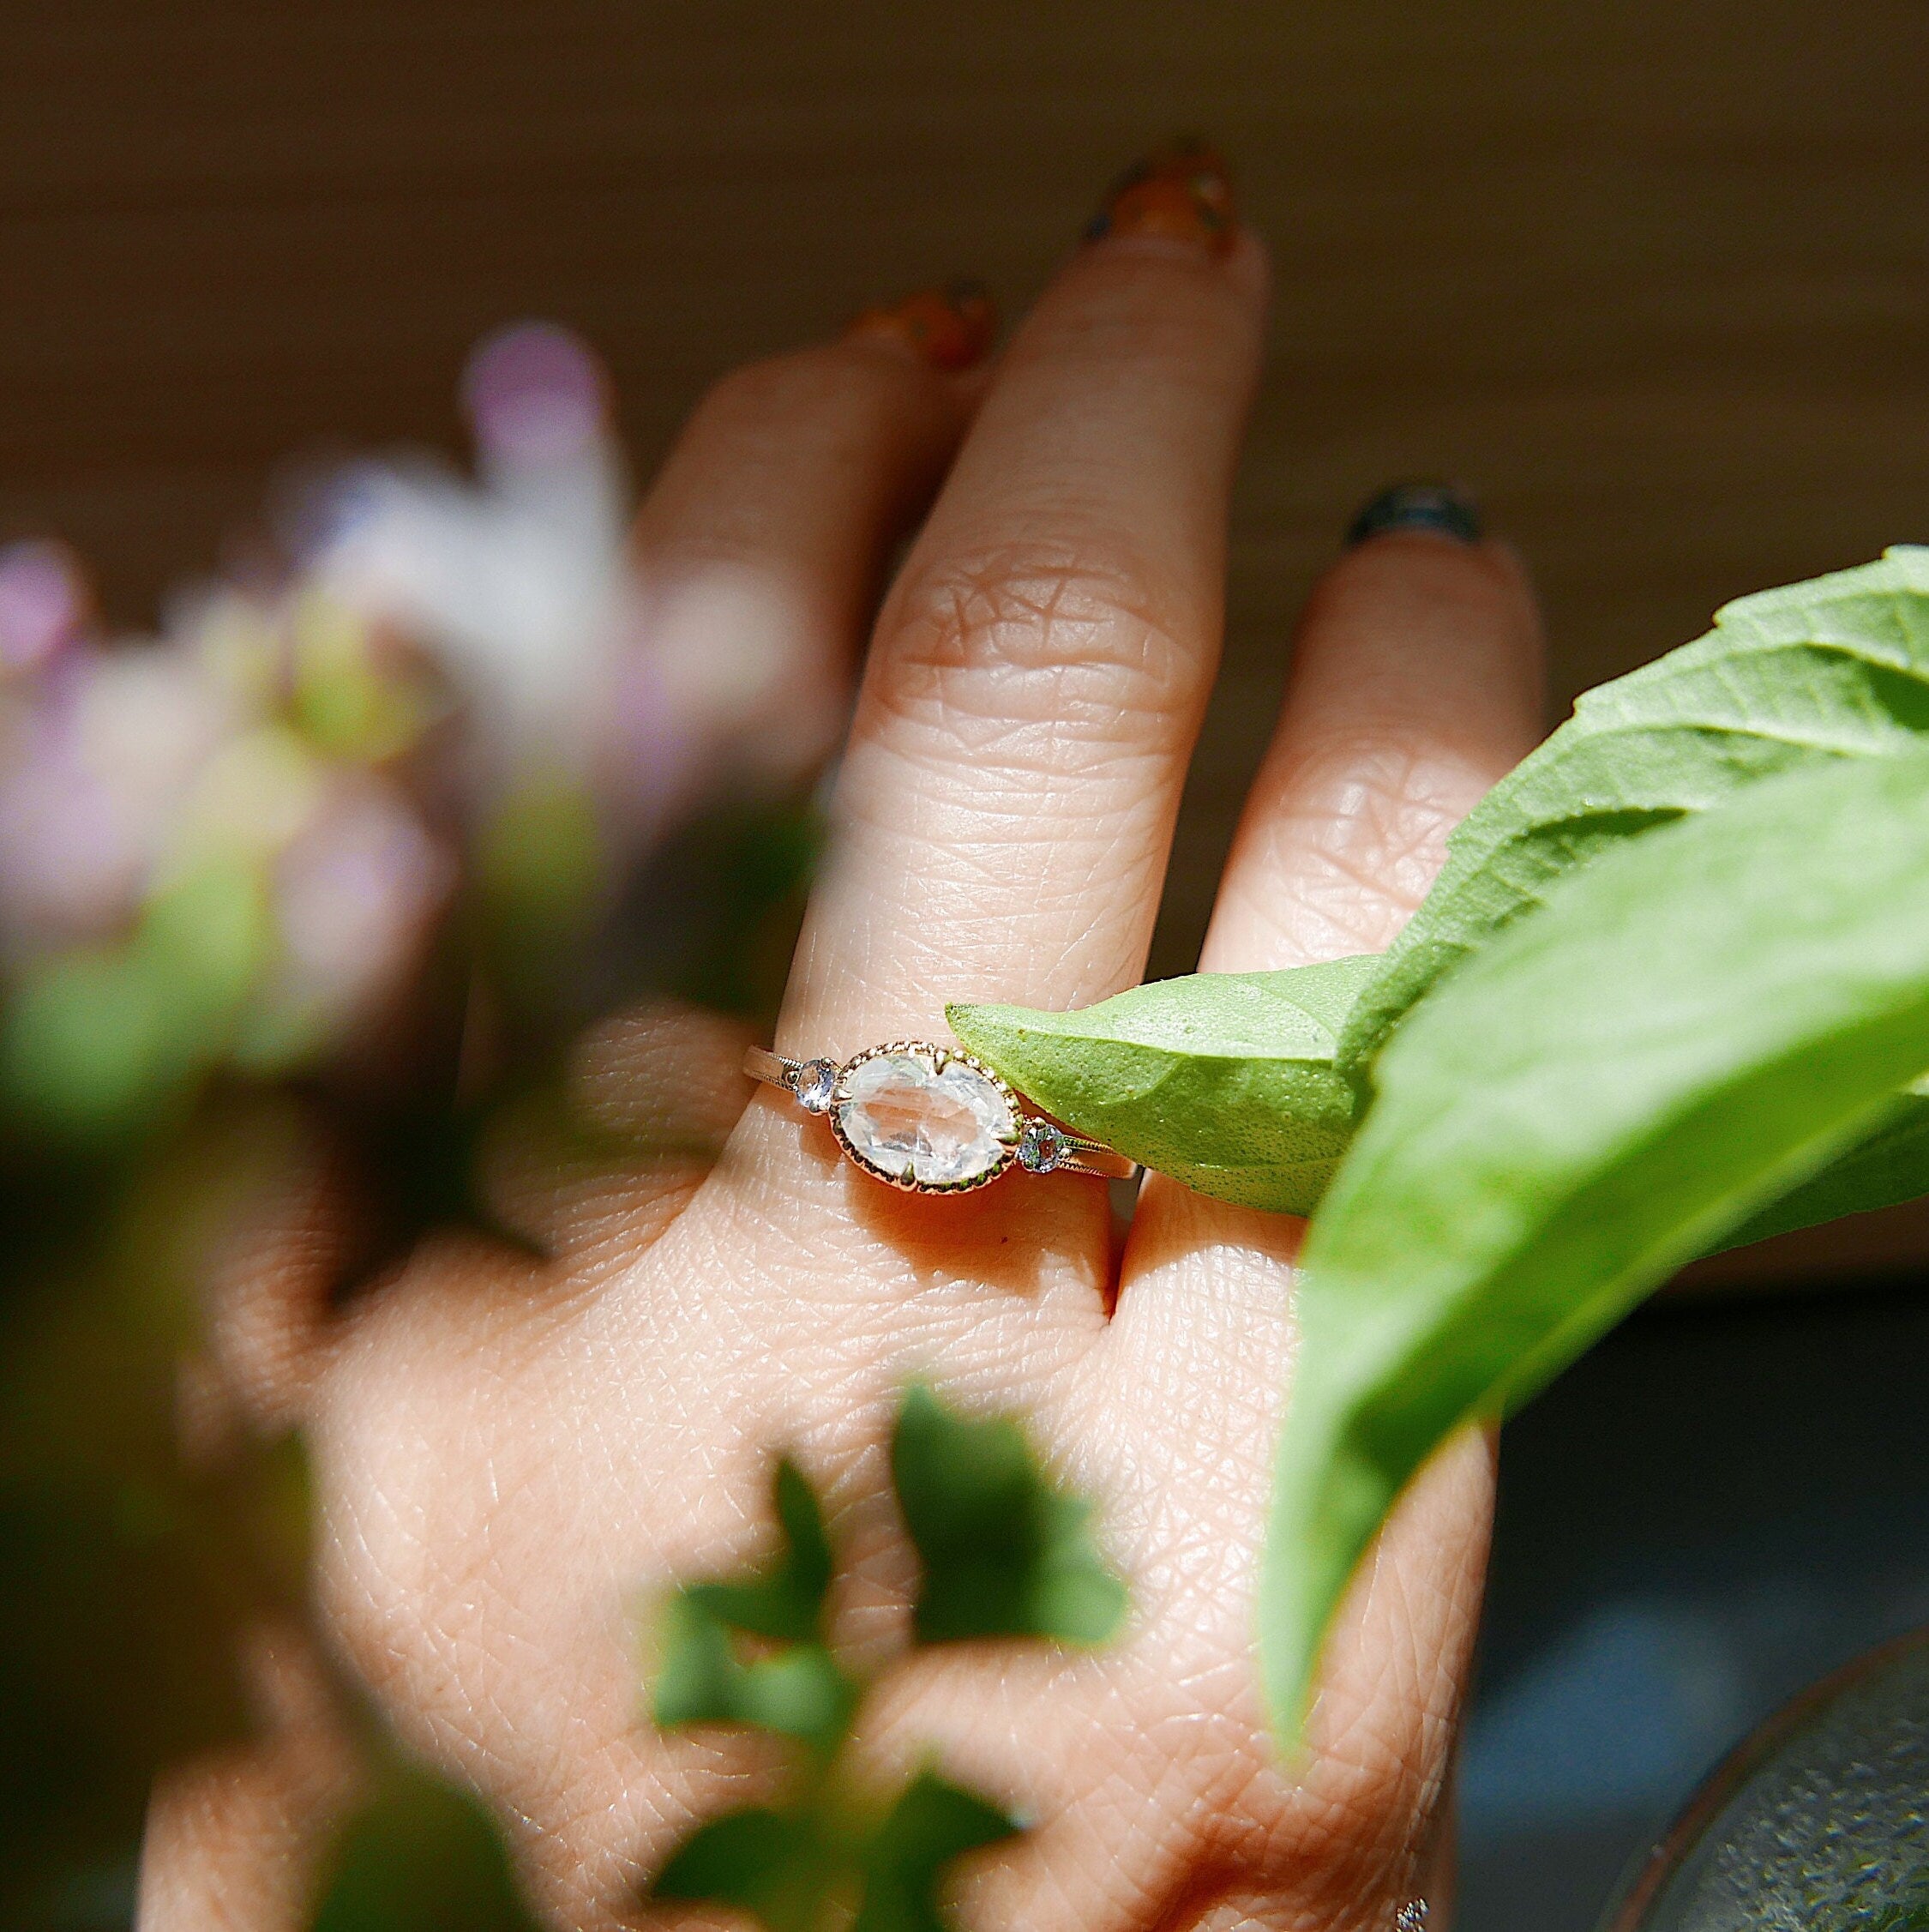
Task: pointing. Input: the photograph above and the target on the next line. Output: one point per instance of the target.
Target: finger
(1415, 684)
(762, 543)
(235, 1840)
(766, 532)
(1004, 812)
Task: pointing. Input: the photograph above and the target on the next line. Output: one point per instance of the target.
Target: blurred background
(1649, 280)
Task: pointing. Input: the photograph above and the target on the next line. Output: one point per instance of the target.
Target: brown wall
(1649, 278)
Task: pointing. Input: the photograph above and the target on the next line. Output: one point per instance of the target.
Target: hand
(514, 1458)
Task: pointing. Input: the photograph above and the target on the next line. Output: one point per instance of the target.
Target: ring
(931, 1119)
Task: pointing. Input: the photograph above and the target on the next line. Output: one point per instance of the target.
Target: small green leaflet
(1225, 1080)
(1004, 1553)
(786, 1868)
(419, 1854)
(805, 1871)
(791, 1684)
(1689, 1026)
(1835, 668)
(932, 1822)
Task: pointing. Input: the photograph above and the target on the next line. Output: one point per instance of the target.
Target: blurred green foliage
(97, 1042)
(793, 1685)
(1004, 1553)
(419, 1854)
(136, 1130)
(128, 1570)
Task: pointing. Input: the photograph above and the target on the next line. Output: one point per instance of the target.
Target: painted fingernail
(1417, 506)
(1182, 192)
(950, 327)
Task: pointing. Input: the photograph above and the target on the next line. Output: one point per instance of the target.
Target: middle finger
(1005, 810)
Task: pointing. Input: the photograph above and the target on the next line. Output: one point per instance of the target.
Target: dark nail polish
(1182, 192)
(950, 327)
(1417, 506)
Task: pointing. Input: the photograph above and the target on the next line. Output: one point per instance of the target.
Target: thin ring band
(984, 1128)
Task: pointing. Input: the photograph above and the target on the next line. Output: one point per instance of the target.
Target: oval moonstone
(906, 1120)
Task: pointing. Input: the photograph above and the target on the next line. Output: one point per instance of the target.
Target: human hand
(512, 1457)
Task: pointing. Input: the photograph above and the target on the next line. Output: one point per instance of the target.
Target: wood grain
(1649, 278)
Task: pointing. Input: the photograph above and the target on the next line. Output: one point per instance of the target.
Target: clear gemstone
(940, 1129)
(1041, 1147)
(816, 1082)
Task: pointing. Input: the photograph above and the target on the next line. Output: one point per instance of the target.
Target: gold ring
(932, 1119)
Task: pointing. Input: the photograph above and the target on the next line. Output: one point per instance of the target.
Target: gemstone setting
(1043, 1146)
(815, 1085)
(925, 1117)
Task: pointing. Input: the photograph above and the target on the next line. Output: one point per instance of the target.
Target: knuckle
(1038, 633)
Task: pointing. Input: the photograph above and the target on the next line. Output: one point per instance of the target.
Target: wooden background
(1649, 278)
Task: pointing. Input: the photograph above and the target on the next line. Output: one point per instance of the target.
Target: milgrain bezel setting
(929, 1054)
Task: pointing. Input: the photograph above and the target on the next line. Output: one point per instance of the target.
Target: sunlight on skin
(515, 1458)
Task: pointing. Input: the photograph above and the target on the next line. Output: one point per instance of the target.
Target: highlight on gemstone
(912, 1120)
(815, 1085)
(1041, 1147)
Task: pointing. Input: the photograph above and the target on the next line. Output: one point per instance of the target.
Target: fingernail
(1417, 506)
(950, 327)
(1182, 192)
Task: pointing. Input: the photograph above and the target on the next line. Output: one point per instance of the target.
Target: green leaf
(1890, 1167)
(1692, 1025)
(420, 1855)
(1005, 1553)
(782, 1867)
(803, 1869)
(788, 1599)
(904, 1863)
(1225, 1080)
(795, 1688)
(1835, 668)
(798, 1691)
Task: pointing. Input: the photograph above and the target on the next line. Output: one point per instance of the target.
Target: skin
(513, 1457)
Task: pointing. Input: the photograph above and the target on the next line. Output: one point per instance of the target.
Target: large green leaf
(1225, 1080)
(1006, 1552)
(1889, 1167)
(1692, 1025)
(1837, 667)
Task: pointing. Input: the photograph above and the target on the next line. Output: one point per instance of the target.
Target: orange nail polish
(949, 327)
(1182, 192)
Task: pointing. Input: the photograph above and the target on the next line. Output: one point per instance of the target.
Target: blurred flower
(43, 604)
(458, 687)
(518, 583)
(97, 775)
